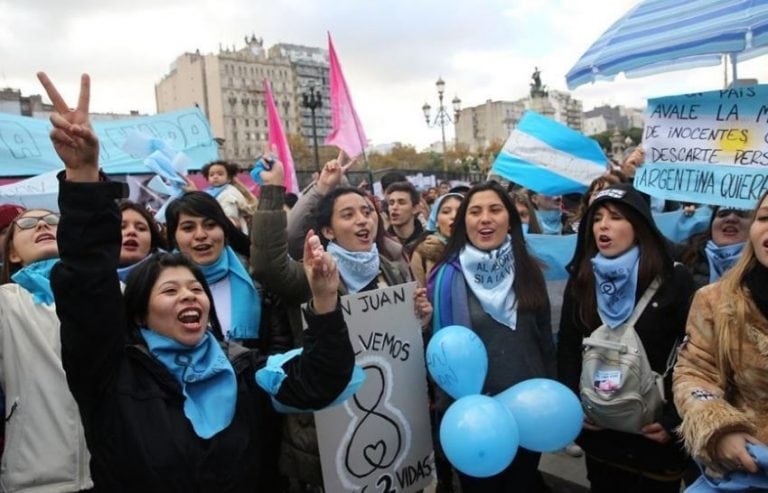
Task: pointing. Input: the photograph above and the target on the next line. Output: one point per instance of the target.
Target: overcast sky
(391, 52)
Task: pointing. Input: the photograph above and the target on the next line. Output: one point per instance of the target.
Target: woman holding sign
(487, 281)
(623, 281)
(166, 404)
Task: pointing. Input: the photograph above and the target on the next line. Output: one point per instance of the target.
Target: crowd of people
(136, 356)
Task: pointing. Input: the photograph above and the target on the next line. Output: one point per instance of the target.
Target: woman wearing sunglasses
(709, 254)
(45, 445)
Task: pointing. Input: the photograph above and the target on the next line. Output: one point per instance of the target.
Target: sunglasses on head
(29, 222)
(721, 213)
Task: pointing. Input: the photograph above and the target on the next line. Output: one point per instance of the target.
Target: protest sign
(379, 439)
(26, 149)
(548, 157)
(709, 147)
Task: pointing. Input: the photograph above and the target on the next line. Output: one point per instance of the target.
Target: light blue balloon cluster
(480, 434)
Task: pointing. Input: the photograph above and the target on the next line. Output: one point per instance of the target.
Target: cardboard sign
(708, 148)
(26, 149)
(379, 440)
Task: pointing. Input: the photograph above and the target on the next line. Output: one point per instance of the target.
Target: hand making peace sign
(72, 135)
(333, 171)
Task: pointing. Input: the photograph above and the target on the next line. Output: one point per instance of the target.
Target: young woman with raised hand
(721, 377)
(508, 310)
(619, 254)
(45, 447)
(166, 404)
(141, 237)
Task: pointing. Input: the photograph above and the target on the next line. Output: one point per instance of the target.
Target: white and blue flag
(549, 158)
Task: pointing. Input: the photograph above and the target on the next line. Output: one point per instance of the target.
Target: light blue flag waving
(549, 158)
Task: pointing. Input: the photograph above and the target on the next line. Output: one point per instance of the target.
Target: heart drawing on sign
(375, 453)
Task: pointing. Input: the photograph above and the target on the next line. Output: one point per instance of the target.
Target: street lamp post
(442, 118)
(313, 100)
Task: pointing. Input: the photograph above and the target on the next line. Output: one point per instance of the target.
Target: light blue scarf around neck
(357, 269)
(550, 221)
(490, 275)
(245, 301)
(721, 258)
(616, 285)
(215, 191)
(36, 278)
(124, 272)
(206, 376)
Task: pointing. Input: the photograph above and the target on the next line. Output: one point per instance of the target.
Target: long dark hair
(200, 204)
(156, 238)
(323, 215)
(655, 259)
(529, 285)
(141, 280)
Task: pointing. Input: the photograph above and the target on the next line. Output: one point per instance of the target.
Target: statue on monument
(537, 88)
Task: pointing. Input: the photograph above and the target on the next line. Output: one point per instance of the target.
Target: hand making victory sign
(72, 135)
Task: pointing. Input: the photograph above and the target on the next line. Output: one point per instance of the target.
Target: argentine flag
(549, 158)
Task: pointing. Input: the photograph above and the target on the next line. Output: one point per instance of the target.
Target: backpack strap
(638, 310)
(643, 302)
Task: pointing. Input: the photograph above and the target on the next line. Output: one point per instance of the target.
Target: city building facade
(228, 87)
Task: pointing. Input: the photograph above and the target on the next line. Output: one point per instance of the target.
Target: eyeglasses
(29, 222)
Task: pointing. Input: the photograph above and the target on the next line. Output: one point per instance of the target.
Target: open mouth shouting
(44, 237)
(191, 319)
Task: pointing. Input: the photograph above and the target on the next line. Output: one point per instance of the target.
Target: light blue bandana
(215, 191)
(550, 221)
(124, 272)
(206, 377)
(357, 269)
(616, 286)
(525, 227)
(36, 278)
(432, 222)
(721, 258)
(245, 304)
(490, 276)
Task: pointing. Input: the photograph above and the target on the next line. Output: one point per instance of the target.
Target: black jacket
(660, 327)
(131, 406)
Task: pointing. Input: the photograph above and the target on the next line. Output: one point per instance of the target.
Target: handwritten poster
(709, 147)
(379, 440)
(26, 149)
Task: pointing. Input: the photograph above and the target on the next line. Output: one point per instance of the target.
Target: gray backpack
(619, 390)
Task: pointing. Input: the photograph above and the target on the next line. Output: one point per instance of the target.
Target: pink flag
(347, 132)
(277, 139)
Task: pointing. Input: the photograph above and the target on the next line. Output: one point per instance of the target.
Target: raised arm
(84, 282)
(313, 377)
(270, 263)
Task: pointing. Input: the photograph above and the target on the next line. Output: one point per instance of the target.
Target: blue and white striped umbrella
(664, 35)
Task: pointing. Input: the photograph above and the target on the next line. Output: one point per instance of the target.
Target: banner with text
(379, 440)
(709, 147)
(26, 149)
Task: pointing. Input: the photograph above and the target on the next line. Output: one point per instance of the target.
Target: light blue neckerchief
(525, 227)
(215, 191)
(206, 377)
(550, 221)
(245, 301)
(616, 285)
(721, 258)
(432, 221)
(490, 276)
(124, 272)
(357, 269)
(36, 278)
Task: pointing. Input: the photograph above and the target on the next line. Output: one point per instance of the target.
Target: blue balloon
(548, 413)
(479, 436)
(457, 361)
